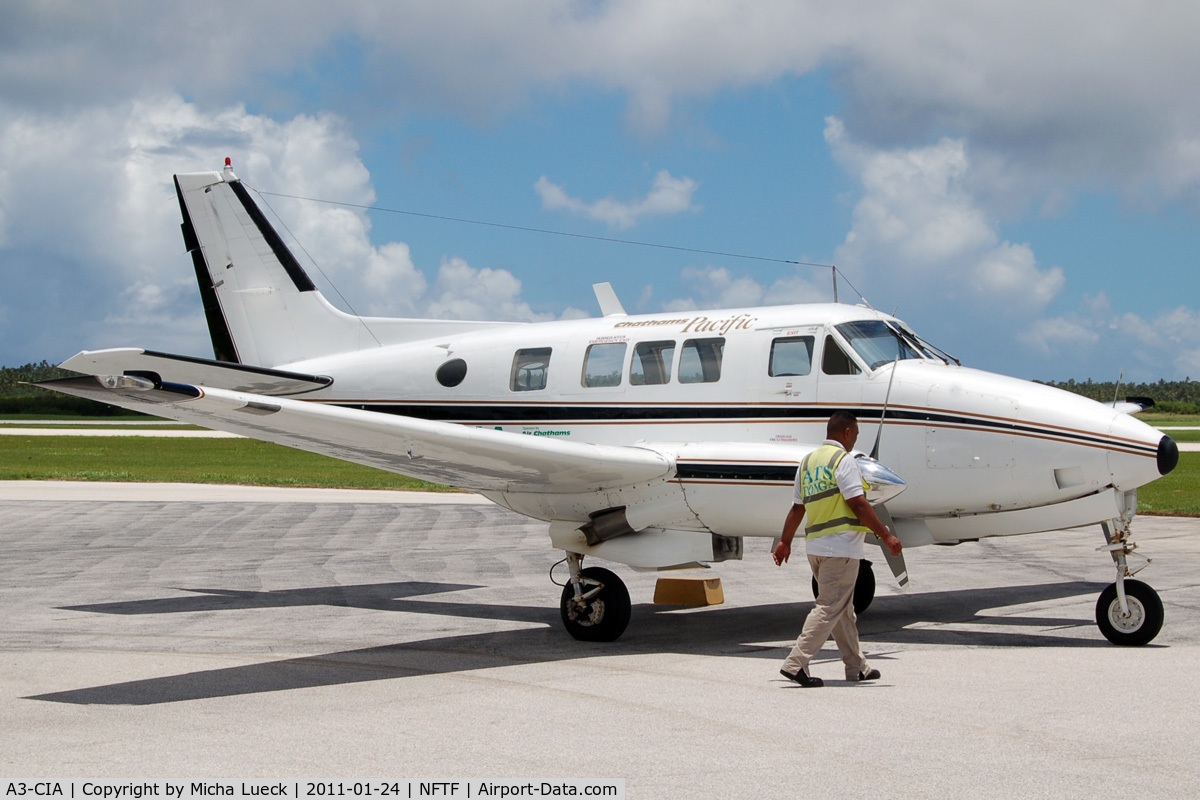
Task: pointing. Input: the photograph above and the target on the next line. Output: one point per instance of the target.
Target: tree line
(16, 397)
(1177, 397)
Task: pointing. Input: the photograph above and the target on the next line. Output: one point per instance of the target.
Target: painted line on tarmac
(38, 423)
(108, 432)
(96, 491)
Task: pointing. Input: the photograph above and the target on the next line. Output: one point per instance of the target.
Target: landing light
(125, 382)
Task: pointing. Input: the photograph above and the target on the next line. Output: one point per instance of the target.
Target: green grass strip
(97, 425)
(140, 459)
(1157, 419)
(1176, 494)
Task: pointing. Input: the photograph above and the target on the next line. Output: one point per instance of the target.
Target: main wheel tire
(604, 617)
(1141, 625)
(864, 587)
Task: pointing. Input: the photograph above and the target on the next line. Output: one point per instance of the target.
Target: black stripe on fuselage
(286, 259)
(781, 473)
(567, 414)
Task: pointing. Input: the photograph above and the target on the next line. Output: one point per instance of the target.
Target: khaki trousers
(833, 613)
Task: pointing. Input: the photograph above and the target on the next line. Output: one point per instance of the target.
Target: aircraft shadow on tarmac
(715, 631)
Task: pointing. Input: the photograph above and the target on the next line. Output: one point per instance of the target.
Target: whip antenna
(886, 398)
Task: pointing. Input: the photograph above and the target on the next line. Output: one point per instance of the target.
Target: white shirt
(848, 544)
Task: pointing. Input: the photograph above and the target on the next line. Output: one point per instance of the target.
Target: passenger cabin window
(835, 361)
(651, 364)
(529, 369)
(602, 364)
(700, 361)
(791, 356)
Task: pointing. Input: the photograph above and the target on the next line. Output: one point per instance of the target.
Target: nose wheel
(1128, 611)
(1141, 620)
(595, 603)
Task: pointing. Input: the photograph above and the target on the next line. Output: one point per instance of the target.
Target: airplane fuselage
(971, 445)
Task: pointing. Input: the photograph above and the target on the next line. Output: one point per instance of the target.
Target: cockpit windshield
(879, 343)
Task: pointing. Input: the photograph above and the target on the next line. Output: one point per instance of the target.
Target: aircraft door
(790, 372)
(840, 374)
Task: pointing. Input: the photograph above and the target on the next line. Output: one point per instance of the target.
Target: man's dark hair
(839, 421)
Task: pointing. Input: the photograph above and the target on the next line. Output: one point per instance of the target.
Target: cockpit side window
(529, 369)
(700, 361)
(791, 356)
(651, 364)
(835, 361)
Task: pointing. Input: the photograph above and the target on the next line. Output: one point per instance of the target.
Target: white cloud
(1057, 335)
(1010, 271)
(668, 195)
(1087, 94)
(1181, 328)
(917, 224)
(1096, 341)
(718, 287)
(464, 292)
(94, 226)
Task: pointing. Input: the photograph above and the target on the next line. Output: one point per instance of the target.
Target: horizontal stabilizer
(160, 367)
(479, 459)
(1133, 405)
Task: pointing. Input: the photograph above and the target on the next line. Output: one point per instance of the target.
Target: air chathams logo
(741, 322)
(536, 430)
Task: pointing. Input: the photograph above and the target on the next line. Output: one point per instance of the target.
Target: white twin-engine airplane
(657, 441)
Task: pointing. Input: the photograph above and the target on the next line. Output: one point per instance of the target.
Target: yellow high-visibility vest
(827, 511)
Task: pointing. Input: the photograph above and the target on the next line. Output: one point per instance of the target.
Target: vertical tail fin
(261, 306)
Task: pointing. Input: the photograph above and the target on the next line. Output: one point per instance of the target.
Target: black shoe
(804, 679)
(869, 675)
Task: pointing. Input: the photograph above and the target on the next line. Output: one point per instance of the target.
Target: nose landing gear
(1128, 612)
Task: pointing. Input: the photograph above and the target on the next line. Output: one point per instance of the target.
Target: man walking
(830, 487)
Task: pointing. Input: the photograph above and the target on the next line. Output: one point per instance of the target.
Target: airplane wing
(479, 459)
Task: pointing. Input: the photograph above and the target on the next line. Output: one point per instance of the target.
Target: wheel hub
(587, 612)
(1127, 623)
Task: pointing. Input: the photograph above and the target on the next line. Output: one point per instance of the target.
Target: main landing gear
(864, 586)
(595, 603)
(1128, 612)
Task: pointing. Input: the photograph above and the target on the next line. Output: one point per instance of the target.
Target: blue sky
(1021, 182)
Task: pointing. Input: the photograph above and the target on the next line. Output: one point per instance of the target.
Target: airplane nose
(1168, 455)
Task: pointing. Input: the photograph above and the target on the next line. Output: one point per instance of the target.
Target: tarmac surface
(196, 632)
